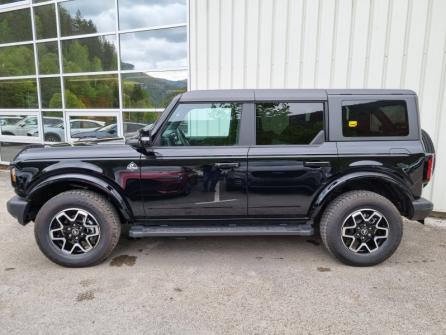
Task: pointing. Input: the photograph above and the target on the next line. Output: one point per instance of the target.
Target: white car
(9, 120)
(26, 124)
(57, 133)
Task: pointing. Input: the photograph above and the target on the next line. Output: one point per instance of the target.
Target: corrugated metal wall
(327, 44)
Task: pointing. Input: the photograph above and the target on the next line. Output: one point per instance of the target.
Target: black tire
(52, 138)
(339, 211)
(99, 207)
(427, 141)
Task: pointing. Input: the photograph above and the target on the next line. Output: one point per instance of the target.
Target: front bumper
(18, 208)
(421, 209)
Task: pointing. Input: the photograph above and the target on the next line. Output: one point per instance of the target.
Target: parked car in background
(110, 131)
(28, 123)
(9, 120)
(57, 133)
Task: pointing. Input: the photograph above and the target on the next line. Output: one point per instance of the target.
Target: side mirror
(145, 138)
(142, 142)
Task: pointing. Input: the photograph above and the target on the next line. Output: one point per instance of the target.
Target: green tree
(72, 101)
(18, 93)
(135, 96)
(17, 60)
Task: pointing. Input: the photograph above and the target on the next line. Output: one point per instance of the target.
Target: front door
(197, 168)
(291, 160)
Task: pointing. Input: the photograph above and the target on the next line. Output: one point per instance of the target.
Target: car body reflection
(167, 181)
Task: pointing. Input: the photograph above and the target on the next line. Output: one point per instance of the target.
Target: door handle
(227, 165)
(317, 164)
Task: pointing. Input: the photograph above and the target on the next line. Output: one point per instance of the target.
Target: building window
(79, 17)
(138, 14)
(154, 49)
(121, 63)
(15, 26)
(92, 54)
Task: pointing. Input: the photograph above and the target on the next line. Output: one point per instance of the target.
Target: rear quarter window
(375, 118)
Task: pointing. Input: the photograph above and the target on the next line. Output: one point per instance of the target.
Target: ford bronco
(345, 164)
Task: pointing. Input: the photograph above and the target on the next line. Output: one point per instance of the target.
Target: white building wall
(327, 44)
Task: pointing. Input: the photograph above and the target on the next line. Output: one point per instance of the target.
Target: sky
(145, 50)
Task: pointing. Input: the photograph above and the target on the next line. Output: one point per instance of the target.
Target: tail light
(428, 168)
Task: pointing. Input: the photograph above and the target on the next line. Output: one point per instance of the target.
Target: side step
(218, 230)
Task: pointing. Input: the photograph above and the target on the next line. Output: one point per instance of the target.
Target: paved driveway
(243, 285)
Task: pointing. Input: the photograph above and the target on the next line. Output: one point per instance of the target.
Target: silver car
(57, 133)
(27, 124)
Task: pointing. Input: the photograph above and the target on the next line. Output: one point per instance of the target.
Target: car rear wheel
(77, 228)
(361, 228)
(52, 138)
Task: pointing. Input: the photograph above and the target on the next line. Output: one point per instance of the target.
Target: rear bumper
(421, 209)
(18, 208)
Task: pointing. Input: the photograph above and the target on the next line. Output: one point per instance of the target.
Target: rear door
(291, 160)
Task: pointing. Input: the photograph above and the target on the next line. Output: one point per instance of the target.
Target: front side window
(288, 123)
(203, 124)
(375, 118)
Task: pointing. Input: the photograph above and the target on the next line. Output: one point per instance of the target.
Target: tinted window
(288, 123)
(52, 121)
(89, 124)
(132, 127)
(374, 118)
(203, 124)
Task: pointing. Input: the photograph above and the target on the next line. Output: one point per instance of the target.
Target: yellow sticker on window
(352, 124)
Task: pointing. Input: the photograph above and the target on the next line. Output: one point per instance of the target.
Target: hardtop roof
(281, 94)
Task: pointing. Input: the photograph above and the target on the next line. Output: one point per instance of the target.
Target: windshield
(107, 127)
(29, 120)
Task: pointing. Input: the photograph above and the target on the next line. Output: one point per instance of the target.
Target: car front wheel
(77, 228)
(361, 228)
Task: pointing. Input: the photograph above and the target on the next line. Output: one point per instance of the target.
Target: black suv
(343, 163)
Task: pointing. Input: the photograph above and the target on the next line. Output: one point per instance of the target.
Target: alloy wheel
(365, 231)
(74, 231)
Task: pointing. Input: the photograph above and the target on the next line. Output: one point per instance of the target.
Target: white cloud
(154, 50)
(138, 15)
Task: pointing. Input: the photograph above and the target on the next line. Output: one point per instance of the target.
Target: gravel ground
(232, 285)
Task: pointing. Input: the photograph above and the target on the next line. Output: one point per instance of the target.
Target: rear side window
(375, 118)
(288, 122)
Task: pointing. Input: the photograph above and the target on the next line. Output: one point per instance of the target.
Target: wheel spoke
(354, 217)
(81, 213)
(375, 218)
